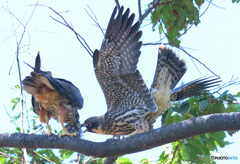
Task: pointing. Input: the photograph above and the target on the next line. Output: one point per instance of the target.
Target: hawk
(54, 98)
(132, 107)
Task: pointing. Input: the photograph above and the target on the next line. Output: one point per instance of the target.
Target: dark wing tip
(37, 63)
(95, 58)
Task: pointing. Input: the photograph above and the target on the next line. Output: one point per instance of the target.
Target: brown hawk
(54, 98)
(132, 107)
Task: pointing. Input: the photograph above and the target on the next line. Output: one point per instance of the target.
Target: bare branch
(139, 142)
(79, 157)
(9, 115)
(215, 5)
(44, 157)
(35, 131)
(66, 24)
(198, 61)
(148, 10)
(95, 20)
(16, 55)
(8, 156)
(79, 37)
(174, 153)
(232, 81)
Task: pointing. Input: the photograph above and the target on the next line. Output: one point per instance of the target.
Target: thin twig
(9, 116)
(95, 20)
(174, 153)
(182, 49)
(8, 156)
(198, 61)
(87, 160)
(148, 10)
(79, 37)
(66, 24)
(79, 157)
(35, 131)
(16, 55)
(215, 5)
(232, 81)
(44, 157)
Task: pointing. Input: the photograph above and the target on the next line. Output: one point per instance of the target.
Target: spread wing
(116, 65)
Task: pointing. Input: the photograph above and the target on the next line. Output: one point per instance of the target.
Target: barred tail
(169, 71)
(194, 88)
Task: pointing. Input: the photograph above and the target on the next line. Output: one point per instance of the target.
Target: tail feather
(194, 88)
(169, 63)
(169, 71)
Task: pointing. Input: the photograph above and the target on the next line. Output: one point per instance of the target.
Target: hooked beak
(83, 125)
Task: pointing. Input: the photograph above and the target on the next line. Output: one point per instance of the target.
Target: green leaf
(64, 154)
(234, 107)
(14, 102)
(144, 161)
(18, 129)
(183, 108)
(3, 160)
(203, 104)
(17, 86)
(199, 3)
(238, 94)
(219, 138)
(122, 160)
(163, 158)
(223, 95)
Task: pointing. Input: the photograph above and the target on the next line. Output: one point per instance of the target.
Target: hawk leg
(63, 113)
(140, 126)
(44, 118)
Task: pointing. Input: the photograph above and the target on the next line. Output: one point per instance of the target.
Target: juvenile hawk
(132, 107)
(54, 98)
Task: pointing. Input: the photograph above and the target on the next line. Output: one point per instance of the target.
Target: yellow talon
(65, 133)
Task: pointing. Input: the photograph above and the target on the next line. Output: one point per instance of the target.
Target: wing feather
(116, 64)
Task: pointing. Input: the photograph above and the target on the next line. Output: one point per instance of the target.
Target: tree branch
(166, 134)
(95, 20)
(148, 10)
(66, 24)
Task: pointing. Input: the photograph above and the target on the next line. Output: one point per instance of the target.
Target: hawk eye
(89, 124)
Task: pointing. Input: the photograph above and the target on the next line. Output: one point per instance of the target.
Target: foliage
(199, 148)
(175, 16)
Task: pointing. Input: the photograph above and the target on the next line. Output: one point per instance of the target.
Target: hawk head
(95, 125)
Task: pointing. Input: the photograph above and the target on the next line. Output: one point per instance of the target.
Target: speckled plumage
(131, 105)
(53, 98)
